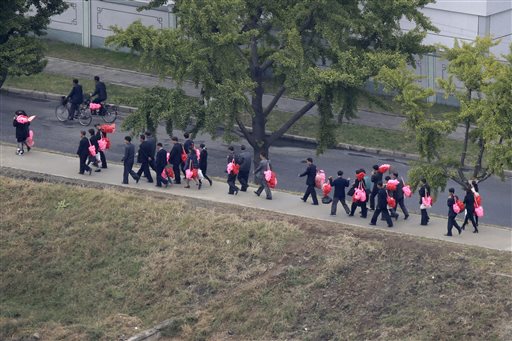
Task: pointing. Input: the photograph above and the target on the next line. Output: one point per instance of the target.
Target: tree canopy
(236, 50)
(485, 112)
(20, 52)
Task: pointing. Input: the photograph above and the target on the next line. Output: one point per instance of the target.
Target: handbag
(102, 143)
(92, 149)
(461, 205)
(406, 189)
(479, 211)
(326, 189)
(319, 179)
(359, 194)
(391, 201)
(326, 200)
(30, 139)
(456, 208)
(426, 201)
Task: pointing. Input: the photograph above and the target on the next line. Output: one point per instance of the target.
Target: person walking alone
(452, 199)
(310, 172)
(161, 162)
(259, 174)
(203, 161)
(83, 153)
(144, 157)
(128, 161)
(382, 206)
(339, 192)
(21, 123)
(245, 168)
(424, 192)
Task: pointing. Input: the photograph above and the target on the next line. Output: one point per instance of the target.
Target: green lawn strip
(52, 83)
(131, 61)
(93, 264)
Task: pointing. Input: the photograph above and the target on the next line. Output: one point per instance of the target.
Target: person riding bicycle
(101, 92)
(75, 97)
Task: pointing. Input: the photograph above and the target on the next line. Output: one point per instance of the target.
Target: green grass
(97, 56)
(109, 261)
(46, 82)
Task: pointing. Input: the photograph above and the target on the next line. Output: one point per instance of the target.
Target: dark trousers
(98, 101)
(73, 107)
(103, 160)
(152, 165)
(364, 210)
(401, 203)
(310, 190)
(334, 205)
(203, 170)
(159, 178)
(470, 216)
(144, 168)
(385, 215)
(177, 176)
(424, 217)
(243, 178)
(128, 170)
(451, 224)
(374, 193)
(83, 164)
(264, 186)
(231, 182)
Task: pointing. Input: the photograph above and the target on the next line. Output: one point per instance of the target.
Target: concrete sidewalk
(137, 79)
(67, 167)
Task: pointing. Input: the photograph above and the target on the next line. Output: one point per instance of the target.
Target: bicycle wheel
(110, 114)
(61, 112)
(85, 117)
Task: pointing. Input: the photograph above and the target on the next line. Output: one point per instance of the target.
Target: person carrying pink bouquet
(22, 122)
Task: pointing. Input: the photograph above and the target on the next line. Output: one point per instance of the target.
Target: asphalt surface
(287, 158)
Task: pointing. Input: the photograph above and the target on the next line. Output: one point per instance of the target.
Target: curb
(51, 96)
(288, 137)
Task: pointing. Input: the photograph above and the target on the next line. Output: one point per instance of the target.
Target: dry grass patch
(89, 264)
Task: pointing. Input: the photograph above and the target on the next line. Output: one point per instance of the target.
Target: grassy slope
(112, 261)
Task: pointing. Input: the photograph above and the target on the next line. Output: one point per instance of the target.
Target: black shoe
(373, 224)
(269, 198)
(158, 185)
(137, 179)
(334, 214)
(304, 200)
(390, 226)
(243, 189)
(104, 167)
(199, 187)
(460, 230)
(314, 204)
(447, 235)
(124, 183)
(210, 181)
(150, 181)
(97, 170)
(28, 148)
(350, 215)
(258, 194)
(406, 216)
(90, 171)
(463, 227)
(423, 224)
(475, 231)
(236, 191)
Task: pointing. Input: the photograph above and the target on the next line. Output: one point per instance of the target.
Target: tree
(485, 113)
(234, 49)
(21, 53)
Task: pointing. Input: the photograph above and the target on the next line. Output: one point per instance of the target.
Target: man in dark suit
(152, 142)
(203, 161)
(175, 159)
(75, 97)
(310, 181)
(376, 178)
(382, 206)
(83, 153)
(128, 160)
(186, 147)
(94, 159)
(144, 158)
(100, 90)
(339, 192)
(399, 195)
(245, 168)
(161, 162)
(452, 198)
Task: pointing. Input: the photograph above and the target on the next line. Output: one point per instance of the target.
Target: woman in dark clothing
(469, 202)
(474, 183)
(203, 161)
(192, 164)
(424, 192)
(21, 123)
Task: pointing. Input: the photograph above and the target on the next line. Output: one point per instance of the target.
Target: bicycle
(107, 112)
(61, 112)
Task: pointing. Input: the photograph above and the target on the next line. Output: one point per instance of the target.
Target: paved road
(136, 79)
(286, 158)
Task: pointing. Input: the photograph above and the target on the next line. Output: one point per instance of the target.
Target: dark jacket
(399, 193)
(76, 96)
(161, 159)
(129, 153)
(203, 160)
(382, 199)
(22, 130)
(311, 174)
(192, 162)
(246, 158)
(101, 91)
(152, 142)
(187, 144)
(144, 152)
(376, 178)
(94, 141)
(175, 154)
(339, 185)
(450, 202)
(233, 156)
(424, 190)
(83, 147)
(264, 165)
(469, 201)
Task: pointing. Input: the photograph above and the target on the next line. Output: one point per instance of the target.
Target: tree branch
(478, 165)
(274, 101)
(267, 64)
(465, 149)
(246, 132)
(284, 128)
